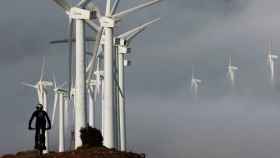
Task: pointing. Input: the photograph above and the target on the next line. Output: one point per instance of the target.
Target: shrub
(91, 137)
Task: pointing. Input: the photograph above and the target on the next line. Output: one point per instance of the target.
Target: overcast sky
(163, 120)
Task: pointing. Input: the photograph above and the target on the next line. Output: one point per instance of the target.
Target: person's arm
(31, 120)
(48, 120)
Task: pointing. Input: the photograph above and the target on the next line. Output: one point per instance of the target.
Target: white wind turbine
(41, 89)
(94, 89)
(194, 85)
(61, 97)
(81, 16)
(271, 61)
(231, 72)
(90, 83)
(122, 44)
(107, 27)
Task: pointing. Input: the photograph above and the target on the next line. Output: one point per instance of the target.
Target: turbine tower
(94, 88)
(194, 85)
(60, 98)
(122, 44)
(41, 89)
(231, 72)
(107, 27)
(271, 61)
(81, 16)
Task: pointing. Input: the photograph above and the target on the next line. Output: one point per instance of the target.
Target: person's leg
(37, 135)
(43, 138)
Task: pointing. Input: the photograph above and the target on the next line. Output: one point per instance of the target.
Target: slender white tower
(41, 89)
(231, 72)
(61, 123)
(80, 86)
(91, 104)
(80, 15)
(108, 78)
(194, 85)
(271, 61)
(60, 98)
(122, 44)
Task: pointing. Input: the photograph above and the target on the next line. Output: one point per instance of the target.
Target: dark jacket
(41, 119)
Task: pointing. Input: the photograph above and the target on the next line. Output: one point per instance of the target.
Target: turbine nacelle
(45, 83)
(122, 45)
(271, 56)
(121, 42)
(233, 68)
(197, 81)
(107, 22)
(78, 13)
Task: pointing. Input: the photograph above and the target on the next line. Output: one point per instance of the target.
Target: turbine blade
(63, 4)
(98, 81)
(275, 50)
(87, 39)
(129, 35)
(139, 7)
(92, 63)
(70, 58)
(29, 85)
(108, 8)
(83, 3)
(93, 25)
(62, 85)
(268, 51)
(115, 7)
(54, 81)
(270, 45)
(54, 107)
(43, 69)
(192, 72)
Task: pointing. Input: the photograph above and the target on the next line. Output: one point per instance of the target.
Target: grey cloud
(163, 121)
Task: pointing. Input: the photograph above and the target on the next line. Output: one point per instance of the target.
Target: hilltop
(93, 152)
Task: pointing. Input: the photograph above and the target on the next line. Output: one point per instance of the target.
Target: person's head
(39, 107)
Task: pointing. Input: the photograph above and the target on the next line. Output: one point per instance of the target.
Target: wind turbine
(194, 85)
(41, 89)
(60, 98)
(90, 83)
(271, 61)
(94, 89)
(231, 72)
(122, 44)
(107, 27)
(91, 104)
(81, 16)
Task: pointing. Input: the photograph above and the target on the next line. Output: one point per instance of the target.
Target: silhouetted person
(41, 120)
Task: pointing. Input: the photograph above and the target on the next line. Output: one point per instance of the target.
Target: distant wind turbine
(271, 61)
(60, 97)
(231, 72)
(194, 85)
(41, 89)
